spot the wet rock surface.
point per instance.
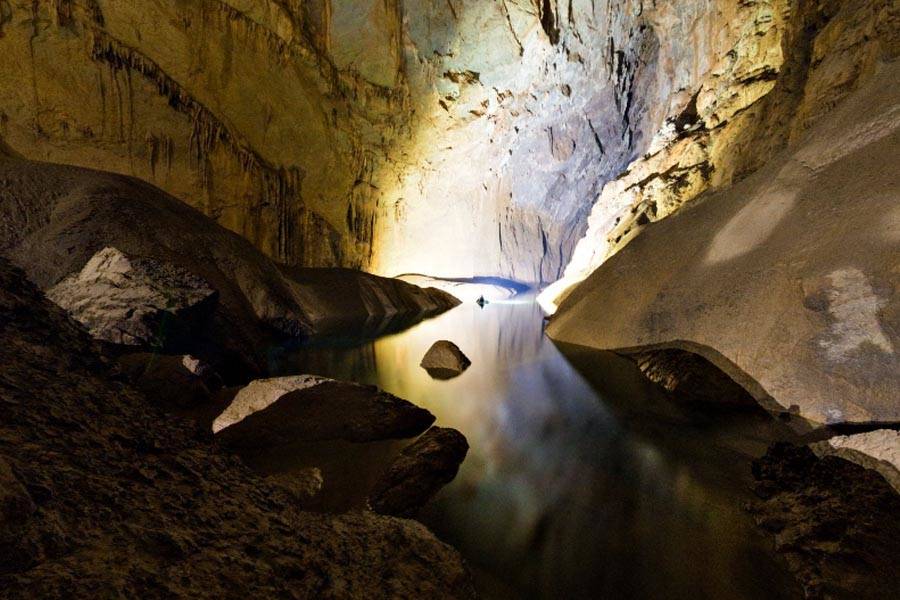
(125, 501)
(835, 521)
(691, 378)
(444, 360)
(322, 410)
(421, 470)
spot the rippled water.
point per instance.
(582, 481)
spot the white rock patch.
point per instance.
(854, 306)
(260, 394)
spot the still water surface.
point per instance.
(582, 480)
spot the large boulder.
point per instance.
(787, 282)
(134, 301)
(83, 233)
(345, 300)
(444, 360)
(421, 470)
(130, 503)
(878, 450)
(834, 521)
(306, 408)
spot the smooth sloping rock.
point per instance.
(834, 521)
(318, 410)
(133, 301)
(131, 504)
(786, 282)
(878, 450)
(421, 470)
(444, 360)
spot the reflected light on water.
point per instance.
(558, 497)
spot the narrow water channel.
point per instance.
(583, 480)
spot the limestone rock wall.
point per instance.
(792, 63)
(453, 137)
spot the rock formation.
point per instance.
(444, 360)
(102, 495)
(314, 409)
(133, 302)
(423, 468)
(782, 281)
(791, 64)
(499, 121)
(878, 450)
(833, 520)
(57, 222)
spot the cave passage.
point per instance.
(596, 485)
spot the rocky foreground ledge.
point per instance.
(103, 496)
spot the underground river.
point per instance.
(582, 479)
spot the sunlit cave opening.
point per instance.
(450, 299)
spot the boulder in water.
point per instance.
(307, 408)
(444, 360)
(133, 301)
(420, 471)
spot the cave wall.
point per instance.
(452, 137)
(789, 69)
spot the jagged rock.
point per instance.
(878, 450)
(784, 281)
(421, 470)
(303, 484)
(279, 411)
(444, 360)
(834, 521)
(175, 382)
(132, 504)
(134, 301)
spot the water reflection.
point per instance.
(565, 493)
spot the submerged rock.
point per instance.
(306, 408)
(421, 470)
(134, 301)
(835, 522)
(444, 360)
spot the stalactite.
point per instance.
(279, 187)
